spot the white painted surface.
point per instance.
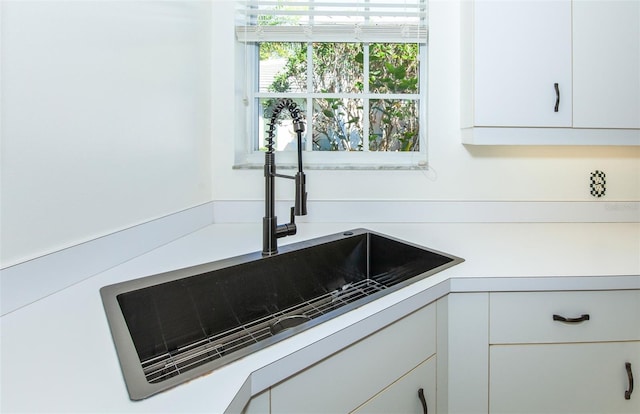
(563, 378)
(32, 280)
(527, 317)
(542, 283)
(402, 395)
(29, 281)
(606, 57)
(442, 350)
(114, 129)
(517, 62)
(78, 371)
(550, 136)
(466, 388)
(70, 173)
(509, 64)
(105, 118)
(346, 380)
(260, 404)
(456, 172)
(400, 211)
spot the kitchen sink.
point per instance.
(172, 327)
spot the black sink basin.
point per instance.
(175, 326)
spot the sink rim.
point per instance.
(135, 380)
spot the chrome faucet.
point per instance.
(271, 230)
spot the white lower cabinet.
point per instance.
(564, 378)
(564, 352)
(497, 352)
(259, 404)
(349, 378)
(375, 373)
(403, 396)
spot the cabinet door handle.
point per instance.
(582, 318)
(557, 88)
(627, 393)
(423, 400)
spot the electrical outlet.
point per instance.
(598, 183)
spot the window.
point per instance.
(357, 70)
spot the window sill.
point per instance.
(338, 161)
(372, 167)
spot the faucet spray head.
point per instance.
(300, 206)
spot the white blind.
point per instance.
(394, 21)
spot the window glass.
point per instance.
(283, 67)
(337, 67)
(340, 96)
(394, 68)
(337, 124)
(394, 125)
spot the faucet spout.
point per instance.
(271, 230)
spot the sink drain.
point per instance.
(287, 322)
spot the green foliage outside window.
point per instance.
(338, 68)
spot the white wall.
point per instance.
(106, 122)
(457, 172)
(105, 118)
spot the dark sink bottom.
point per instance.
(172, 327)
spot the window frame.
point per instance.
(250, 138)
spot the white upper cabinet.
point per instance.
(522, 49)
(606, 59)
(550, 72)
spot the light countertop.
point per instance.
(58, 355)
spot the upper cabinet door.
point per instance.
(606, 53)
(522, 49)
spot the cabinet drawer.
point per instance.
(564, 378)
(350, 377)
(528, 317)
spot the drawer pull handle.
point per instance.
(582, 318)
(423, 400)
(627, 393)
(557, 88)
